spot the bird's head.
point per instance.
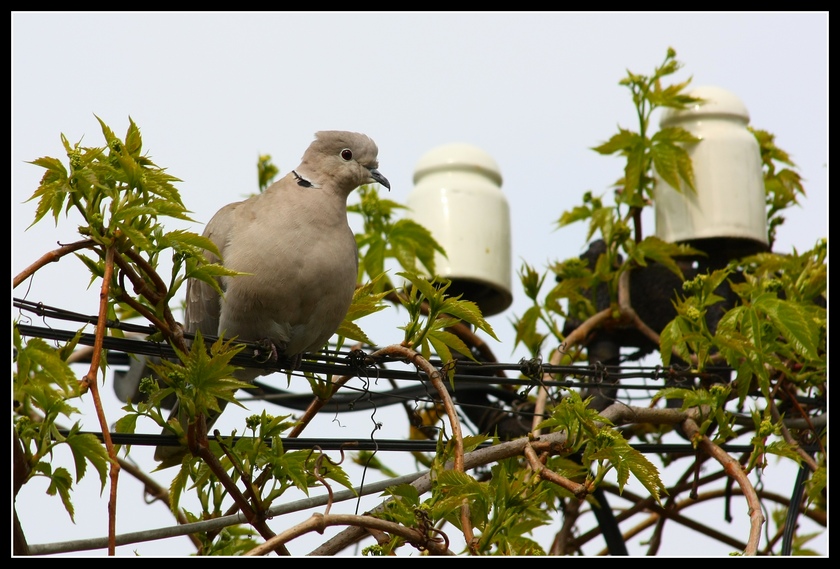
(345, 159)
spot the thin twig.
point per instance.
(319, 522)
(409, 355)
(579, 490)
(51, 257)
(734, 469)
(618, 414)
(89, 382)
(200, 447)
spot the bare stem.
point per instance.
(51, 257)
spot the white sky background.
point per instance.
(212, 91)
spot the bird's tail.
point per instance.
(171, 455)
(127, 388)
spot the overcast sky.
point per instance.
(212, 91)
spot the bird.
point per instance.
(297, 253)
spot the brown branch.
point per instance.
(317, 472)
(542, 393)
(579, 334)
(409, 355)
(463, 331)
(576, 337)
(142, 289)
(579, 490)
(144, 311)
(51, 257)
(89, 382)
(148, 270)
(659, 514)
(735, 471)
(316, 405)
(20, 474)
(689, 479)
(774, 411)
(618, 414)
(308, 415)
(169, 327)
(628, 312)
(200, 447)
(562, 541)
(671, 513)
(138, 283)
(250, 492)
(319, 523)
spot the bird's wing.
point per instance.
(203, 303)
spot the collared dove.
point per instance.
(298, 251)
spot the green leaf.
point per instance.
(374, 258)
(88, 448)
(635, 169)
(793, 323)
(672, 339)
(404, 491)
(366, 301)
(178, 485)
(451, 341)
(62, 484)
(469, 312)
(785, 449)
(53, 189)
(38, 353)
(627, 460)
(576, 418)
(202, 378)
(411, 240)
(526, 330)
(659, 251)
(622, 142)
(128, 422)
(671, 161)
(578, 213)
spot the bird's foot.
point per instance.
(295, 361)
(267, 351)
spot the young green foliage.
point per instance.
(782, 187)
(599, 444)
(504, 508)
(42, 384)
(266, 171)
(202, 377)
(427, 334)
(664, 151)
(775, 338)
(384, 238)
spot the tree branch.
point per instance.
(51, 257)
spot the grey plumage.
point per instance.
(300, 254)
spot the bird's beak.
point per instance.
(374, 173)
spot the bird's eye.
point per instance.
(347, 154)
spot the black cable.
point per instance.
(608, 524)
(474, 382)
(471, 391)
(333, 364)
(146, 439)
(794, 509)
